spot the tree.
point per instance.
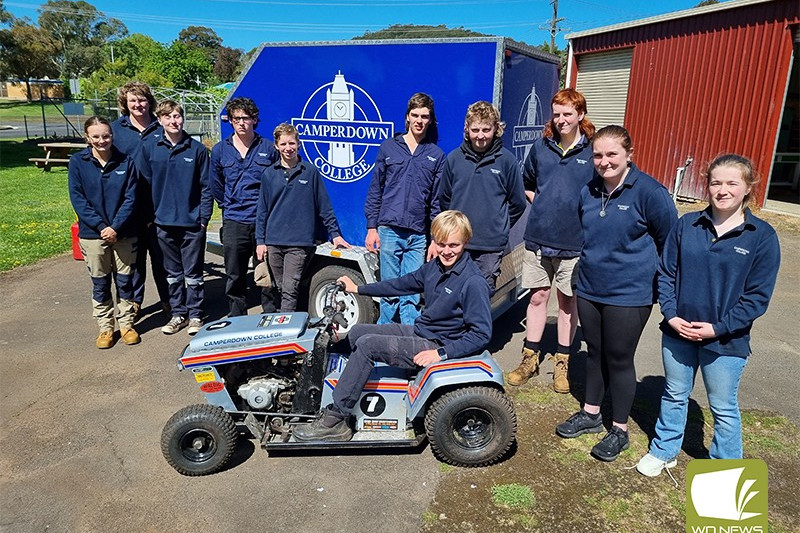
(5, 16)
(25, 51)
(227, 63)
(135, 57)
(184, 67)
(707, 3)
(562, 55)
(414, 31)
(80, 31)
(201, 38)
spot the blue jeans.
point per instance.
(721, 375)
(402, 252)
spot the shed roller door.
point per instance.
(603, 79)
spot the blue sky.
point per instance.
(247, 23)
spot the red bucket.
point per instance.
(76, 247)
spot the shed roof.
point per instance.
(667, 16)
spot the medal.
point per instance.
(602, 213)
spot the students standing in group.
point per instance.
(483, 180)
(716, 277)
(175, 170)
(102, 188)
(293, 199)
(135, 124)
(556, 169)
(236, 167)
(401, 203)
(626, 216)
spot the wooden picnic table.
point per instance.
(56, 154)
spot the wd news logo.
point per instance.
(341, 128)
(726, 496)
(530, 125)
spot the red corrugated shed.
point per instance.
(705, 84)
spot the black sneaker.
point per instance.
(329, 425)
(614, 443)
(579, 424)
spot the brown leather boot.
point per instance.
(528, 368)
(560, 377)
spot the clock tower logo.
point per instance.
(530, 125)
(341, 128)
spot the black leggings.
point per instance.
(611, 334)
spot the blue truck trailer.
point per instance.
(347, 97)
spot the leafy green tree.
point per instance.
(25, 52)
(5, 16)
(201, 38)
(227, 64)
(81, 31)
(184, 67)
(414, 31)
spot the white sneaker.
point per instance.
(194, 326)
(175, 324)
(651, 466)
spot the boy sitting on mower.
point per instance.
(456, 322)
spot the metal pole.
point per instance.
(25, 118)
(44, 120)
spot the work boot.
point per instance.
(329, 425)
(129, 336)
(105, 339)
(528, 368)
(560, 377)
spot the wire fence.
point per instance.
(63, 118)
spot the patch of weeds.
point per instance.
(445, 468)
(611, 508)
(535, 395)
(765, 433)
(525, 520)
(429, 517)
(513, 496)
(677, 501)
(571, 451)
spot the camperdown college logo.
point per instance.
(726, 496)
(530, 125)
(341, 128)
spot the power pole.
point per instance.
(553, 26)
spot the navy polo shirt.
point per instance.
(177, 178)
(488, 189)
(456, 314)
(726, 281)
(620, 253)
(128, 138)
(102, 196)
(404, 186)
(291, 203)
(236, 180)
(556, 178)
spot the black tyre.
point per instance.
(473, 426)
(199, 440)
(358, 309)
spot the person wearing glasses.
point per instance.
(236, 167)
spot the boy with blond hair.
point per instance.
(456, 322)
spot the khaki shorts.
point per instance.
(538, 272)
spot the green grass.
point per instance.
(15, 109)
(513, 496)
(36, 214)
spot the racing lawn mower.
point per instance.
(271, 372)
